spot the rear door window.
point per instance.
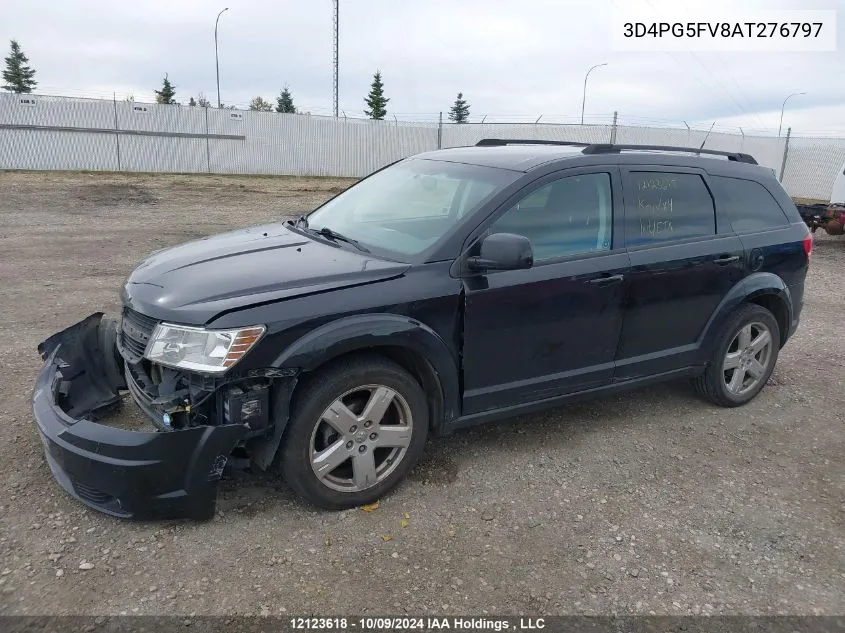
(667, 207)
(748, 204)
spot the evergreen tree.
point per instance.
(376, 101)
(460, 111)
(192, 102)
(18, 76)
(167, 93)
(259, 105)
(284, 102)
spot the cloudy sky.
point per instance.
(513, 60)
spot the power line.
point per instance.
(729, 75)
(740, 110)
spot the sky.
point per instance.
(512, 60)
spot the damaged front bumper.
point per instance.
(125, 473)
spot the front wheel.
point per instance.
(355, 431)
(744, 358)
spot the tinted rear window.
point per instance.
(748, 204)
(668, 207)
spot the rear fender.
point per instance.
(753, 286)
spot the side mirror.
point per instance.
(503, 251)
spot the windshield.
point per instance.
(407, 207)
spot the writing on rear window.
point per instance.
(668, 207)
(655, 211)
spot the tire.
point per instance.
(311, 443)
(719, 383)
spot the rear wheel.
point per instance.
(355, 431)
(744, 358)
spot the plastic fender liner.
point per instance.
(89, 365)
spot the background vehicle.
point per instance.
(830, 217)
(446, 290)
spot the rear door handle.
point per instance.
(606, 281)
(727, 259)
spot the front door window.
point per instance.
(569, 216)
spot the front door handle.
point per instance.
(727, 259)
(606, 281)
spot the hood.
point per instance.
(194, 282)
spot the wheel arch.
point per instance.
(778, 306)
(408, 342)
(764, 289)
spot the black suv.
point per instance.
(445, 290)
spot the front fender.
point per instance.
(750, 288)
(367, 331)
(356, 333)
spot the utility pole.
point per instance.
(336, 50)
(216, 58)
(785, 153)
(613, 128)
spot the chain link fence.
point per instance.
(61, 133)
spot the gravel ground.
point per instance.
(647, 502)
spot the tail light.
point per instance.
(808, 244)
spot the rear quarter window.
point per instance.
(748, 204)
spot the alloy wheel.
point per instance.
(747, 359)
(361, 438)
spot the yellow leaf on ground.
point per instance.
(386, 537)
(328, 540)
(404, 523)
(407, 516)
(370, 507)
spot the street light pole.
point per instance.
(794, 94)
(216, 60)
(584, 98)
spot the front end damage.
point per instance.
(197, 422)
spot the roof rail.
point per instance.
(497, 142)
(606, 148)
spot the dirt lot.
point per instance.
(647, 502)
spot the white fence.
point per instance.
(39, 132)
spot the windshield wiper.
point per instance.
(302, 223)
(339, 237)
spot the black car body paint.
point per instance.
(484, 345)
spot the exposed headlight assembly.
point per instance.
(198, 349)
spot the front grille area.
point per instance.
(142, 398)
(135, 332)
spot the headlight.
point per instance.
(198, 349)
